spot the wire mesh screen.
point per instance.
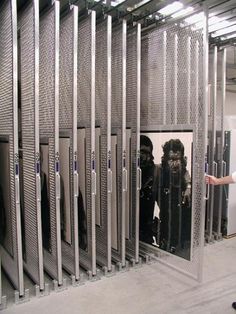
(131, 206)
(66, 123)
(47, 129)
(116, 125)
(210, 144)
(27, 79)
(9, 242)
(84, 120)
(172, 97)
(101, 121)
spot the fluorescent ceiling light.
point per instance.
(224, 31)
(141, 3)
(214, 19)
(194, 18)
(230, 36)
(129, 9)
(219, 25)
(115, 3)
(171, 8)
(182, 12)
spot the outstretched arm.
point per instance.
(224, 180)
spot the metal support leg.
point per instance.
(22, 299)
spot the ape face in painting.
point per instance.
(173, 158)
(146, 147)
(165, 196)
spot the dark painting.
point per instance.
(165, 196)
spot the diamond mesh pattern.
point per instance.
(131, 206)
(84, 120)
(101, 120)
(211, 144)
(66, 119)
(116, 123)
(169, 80)
(47, 122)
(27, 37)
(10, 249)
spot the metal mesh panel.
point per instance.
(84, 120)
(210, 147)
(66, 72)
(66, 118)
(183, 77)
(152, 104)
(163, 102)
(10, 248)
(6, 91)
(132, 123)
(47, 123)
(101, 120)
(27, 44)
(116, 122)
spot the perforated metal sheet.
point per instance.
(117, 125)
(220, 126)
(47, 120)
(164, 99)
(33, 245)
(85, 42)
(102, 120)
(132, 112)
(211, 141)
(66, 121)
(11, 252)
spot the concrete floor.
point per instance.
(149, 289)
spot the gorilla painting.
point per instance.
(165, 196)
(148, 193)
(174, 198)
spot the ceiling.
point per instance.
(222, 13)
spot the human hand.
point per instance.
(211, 180)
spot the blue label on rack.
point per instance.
(57, 166)
(17, 169)
(75, 165)
(93, 164)
(37, 167)
(109, 164)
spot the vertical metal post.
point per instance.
(93, 166)
(15, 144)
(3, 299)
(213, 140)
(37, 149)
(124, 170)
(188, 47)
(138, 171)
(74, 139)
(109, 160)
(164, 76)
(175, 78)
(222, 168)
(204, 130)
(196, 80)
(56, 140)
